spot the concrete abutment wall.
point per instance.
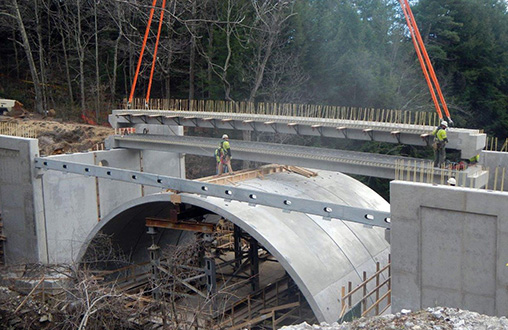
(449, 248)
(48, 215)
(21, 205)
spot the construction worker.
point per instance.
(473, 160)
(452, 182)
(225, 155)
(440, 140)
(218, 156)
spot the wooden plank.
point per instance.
(201, 227)
(376, 303)
(279, 308)
(252, 322)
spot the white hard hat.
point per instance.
(225, 136)
(452, 181)
(444, 123)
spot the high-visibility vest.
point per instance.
(440, 134)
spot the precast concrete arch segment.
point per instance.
(319, 255)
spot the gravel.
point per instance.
(436, 318)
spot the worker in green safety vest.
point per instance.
(440, 141)
(473, 160)
(225, 158)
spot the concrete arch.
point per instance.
(319, 255)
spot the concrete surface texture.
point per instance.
(449, 248)
(18, 205)
(319, 255)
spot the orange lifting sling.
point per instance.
(143, 50)
(425, 63)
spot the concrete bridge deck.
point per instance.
(351, 162)
(468, 141)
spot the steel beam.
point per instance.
(252, 197)
(468, 141)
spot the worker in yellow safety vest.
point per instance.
(440, 141)
(473, 160)
(225, 158)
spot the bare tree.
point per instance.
(27, 46)
(268, 23)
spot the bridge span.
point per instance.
(468, 141)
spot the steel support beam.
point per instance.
(252, 197)
(237, 240)
(254, 263)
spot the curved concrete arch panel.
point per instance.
(319, 255)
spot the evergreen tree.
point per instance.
(468, 41)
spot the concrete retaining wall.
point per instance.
(75, 203)
(48, 215)
(18, 204)
(449, 247)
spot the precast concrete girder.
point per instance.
(468, 141)
(351, 162)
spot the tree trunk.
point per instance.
(97, 73)
(260, 71)
(42, 72)
(15, 46)
(115, 54)
(192, 55)
(81, 59)
(31, 62)
(209, 71)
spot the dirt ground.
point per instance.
(57, 137)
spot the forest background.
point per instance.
(80, 56)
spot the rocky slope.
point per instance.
(437, 318)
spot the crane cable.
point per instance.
(155, 53)
(420, 49)
(133, 88)
(422, 63)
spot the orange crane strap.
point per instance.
(142, 51)
(427, 59)
(155, 52)
(421, 60)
